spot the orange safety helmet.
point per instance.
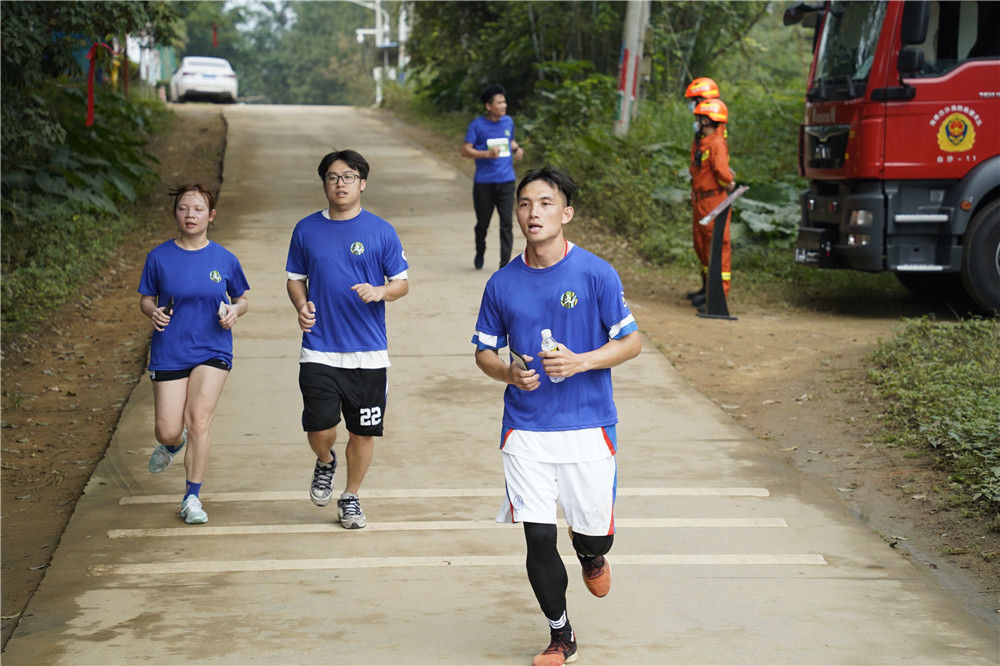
(715, 109)
(702, 87)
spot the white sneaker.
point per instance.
(349, 508)
(321, 489)
(162, 457)
(191, 511)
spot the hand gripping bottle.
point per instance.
(548, 344)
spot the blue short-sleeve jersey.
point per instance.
(581, 300)
(335, 255)
(492, 169)
(198, 281)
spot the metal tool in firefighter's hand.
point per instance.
(737, 193)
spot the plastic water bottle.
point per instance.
(548, 344)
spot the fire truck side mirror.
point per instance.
(913, 28)
(910, 61)
(803, 12)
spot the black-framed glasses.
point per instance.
(348, 178)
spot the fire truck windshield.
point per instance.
(846, 49)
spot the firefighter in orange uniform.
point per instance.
(711, 180)
(698, 91)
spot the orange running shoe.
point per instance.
(597, 576)
(561, 650)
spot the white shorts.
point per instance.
(585, 491)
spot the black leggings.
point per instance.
(546, 571)
(486, 197)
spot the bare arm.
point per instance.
(469, 151)
(298, 293)
(515, 150)
(236, 309)
(492, 366)
(160, 319)
(563, 362)
(392, 291)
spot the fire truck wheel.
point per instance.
(981, 257)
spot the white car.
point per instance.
(203, 78)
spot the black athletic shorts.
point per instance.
(360, 393)
(171, 375)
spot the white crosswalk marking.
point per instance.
(296, 495)
(427, 526)
(327, 527)
(238, 566)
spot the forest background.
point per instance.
(69, 190)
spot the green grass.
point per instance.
(939, 381)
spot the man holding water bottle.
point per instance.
(558, 439)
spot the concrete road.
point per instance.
(724, 554)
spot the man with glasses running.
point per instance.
(344, 264)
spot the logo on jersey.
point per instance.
(568, 300)
(518, 502)
(624, 302)
(357, 248)
(215, 276)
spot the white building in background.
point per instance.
(156, 63)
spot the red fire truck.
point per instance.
(901, 143)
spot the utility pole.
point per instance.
(403, 59)
(636, 16)
(381, 34)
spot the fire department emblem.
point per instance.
(956, 133)
(357, 248)
(568, 300)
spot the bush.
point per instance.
(63, 203)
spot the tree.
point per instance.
(42, 41)
(692, 39)
(321, 61)
(460, 47)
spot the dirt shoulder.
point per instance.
(794, 377)
(64, 387)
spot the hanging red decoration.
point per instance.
(215, 35)
(92, 56)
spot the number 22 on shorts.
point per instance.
(371, 416)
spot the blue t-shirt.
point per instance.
(335, 255)
(582, 301)
(198, 280)
(492, 169)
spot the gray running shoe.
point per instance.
(322, 484)
(162, 457)
(349, 508)
(192, 512)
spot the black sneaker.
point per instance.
(322, 484)
(349, 508)
(478, 261)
